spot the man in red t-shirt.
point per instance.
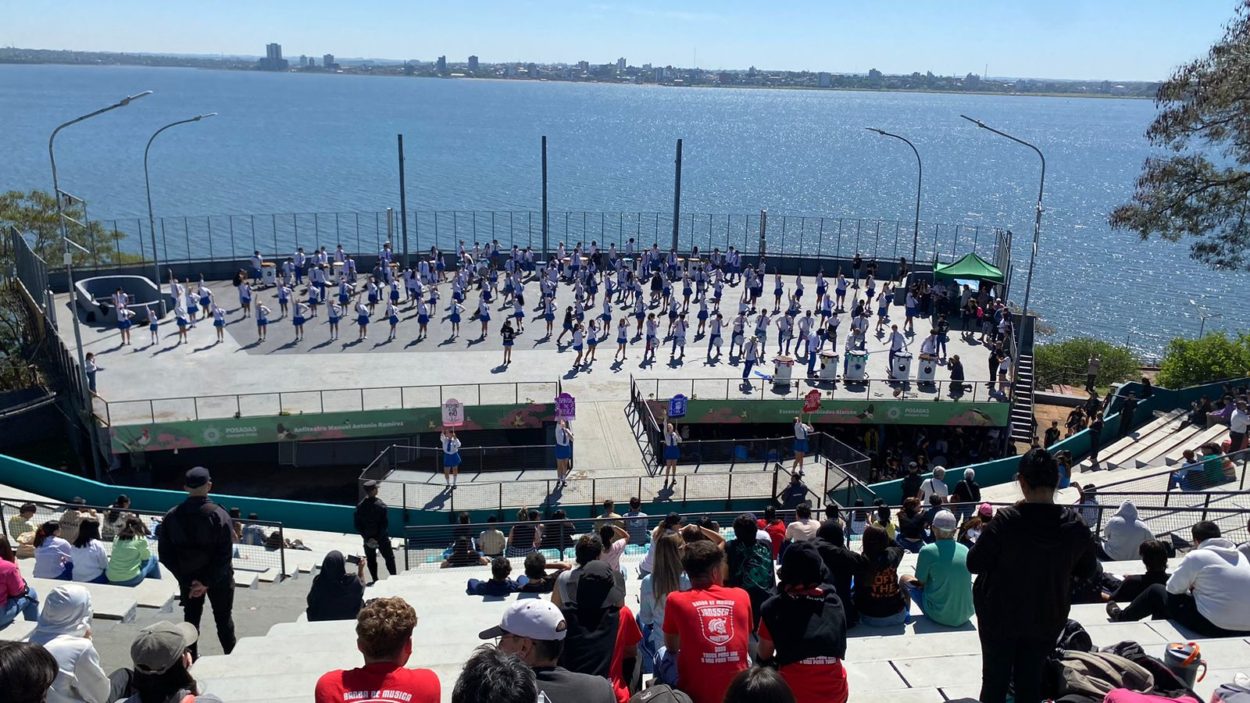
(384, 636)
(775, 528)
(707, 627)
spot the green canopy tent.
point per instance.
(970, 267)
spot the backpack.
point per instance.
(757, 569)
(660, 693)
(1231, 693)
(1167, 682)
(1090, 676)
(1074, 637)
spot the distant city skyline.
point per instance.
(1141, 40)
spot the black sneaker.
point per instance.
(1113, 611)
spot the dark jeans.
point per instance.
(388, 556)
(1156, 602)
(1016, 662)
(221, 595)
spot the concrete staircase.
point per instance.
(1022, 401)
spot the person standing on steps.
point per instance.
(196, 544)
(371, 521)
(564, 452)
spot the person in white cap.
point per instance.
(534, 631)
(942, 586)
(162, 658)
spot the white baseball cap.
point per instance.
(534, 619)
(945, 520)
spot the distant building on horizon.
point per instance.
(441, 65)
(273, 60)
(620, 64)
(472, 64)
(824, 79)
(327, 62)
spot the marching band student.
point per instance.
(679, 337)
(738, 338)
(245, 298)
(125, 320)
(702, 316)
(840, 291)
(714, 340)
(456, 311)
(592, 340)
(314, 298)
(672, 452)
(180, 319)
(362, 319)
(423, 318)
(193, 311)
(640, 312)
(262, 321)
(206, 298)
(483, 312)
(567, 326)
(622, 339)
(299, 319)
(392, 316)
(372, 288)
(284, 294)
(801, 431)
(219, 323)
(451, 457)
(509, 337)
(653, 329)
(518, 313)
(778, 289)
(578, 334)
(345, 291)
(335, 313)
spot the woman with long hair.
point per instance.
(880, 601)
(525, 535)
(132, 559)
(666, 576)
(90, 559)
(53, 559)
(911, 532)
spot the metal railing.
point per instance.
(235, 237)
(1202, 475)
(658, 389)
(477, 459)
(263, 546)
(275, 404)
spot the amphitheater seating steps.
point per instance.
(921, 661)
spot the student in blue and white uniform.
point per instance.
(606, 315)
(738, 337)
(125, 320)
(622, 339)
(703, 315)
(423, 318)
(578, 334)
(335, 313)
(778, 290)
(564, 452)
(679, 338)
(518, 314)
(451, 456)
(372, 289)
(456, 311)
(219, 323)
(345, 291)
(784, 333)
(300, 259)
(592, 339)
(193, 310)
(262, 321)
(801, 431)
(653, 330)
(300, 318)
(315, 296)
(392, 316)
(839, 289)
(284, 295)
(761, 327)
(509, 336)
(673, 311)
(362, 319)
(672, 452)
(206, 298)
(714, 340)
(483, 312)
(821, 287)
(750, 356)
(640, 311)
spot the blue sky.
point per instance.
(1113, 39)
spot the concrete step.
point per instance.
(108, 602)
(17, 631)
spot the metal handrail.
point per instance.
(238, 398)
(766, 388)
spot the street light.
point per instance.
(915, 238)
(1037, 231)
(147, 183)
(69, 271)
(1203, 315)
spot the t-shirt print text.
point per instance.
(376, 696)
(716, 623)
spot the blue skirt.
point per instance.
(686, 292)
(703, 314)
(124, 324)
(577, 347)
(484, 317)
(911, 312)
(373, 297)
(259, 323)
(820, 291)
(204, 301)
(394, 296)
(458, 297)
(592, 342)
(362, 320)
(455, 318)
(622, 340)
(182, 322)
(343, 298)
(800, 445)
(451, 461)
(423, 320)
(606, 317)
(333, 320)
(672, 453)
(519, 314)
(299, 320)
(507, 342)
(640, 316)
(777, 292)
(191, 309)
(550, 317)
(216, 323)
(394, 320)
(564, 451)
(568, 326)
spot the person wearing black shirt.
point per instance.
(843, 564)
(967, 491)
(1155, 556)
(1127, 411)
(1024, 561)
(196, 544)
(912, 481)
(880, 601)
(1095, 440)
(911, 522)
(371, 521)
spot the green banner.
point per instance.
(193, 434)
(845, 412)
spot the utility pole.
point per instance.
(544, 197)
(403, 202)
(677, 197)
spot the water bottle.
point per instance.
(1184, 659)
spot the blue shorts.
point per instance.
(568, 327)
(564, 451)
(640, 316)
(333, 320)
(507, 342)
(577, 347)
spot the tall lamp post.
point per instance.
(69, 271)
(915, 238)
(147, 184)
(1203, 315)
(1037, 231)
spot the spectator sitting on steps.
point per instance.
(384, 636)
(1154, 555)
(499, 583)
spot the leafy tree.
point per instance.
(1213, 357)
(1200, 188)
(34, 214)
(1066, 362)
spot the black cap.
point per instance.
(370, 485)
(197, 477)
(801, 565)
